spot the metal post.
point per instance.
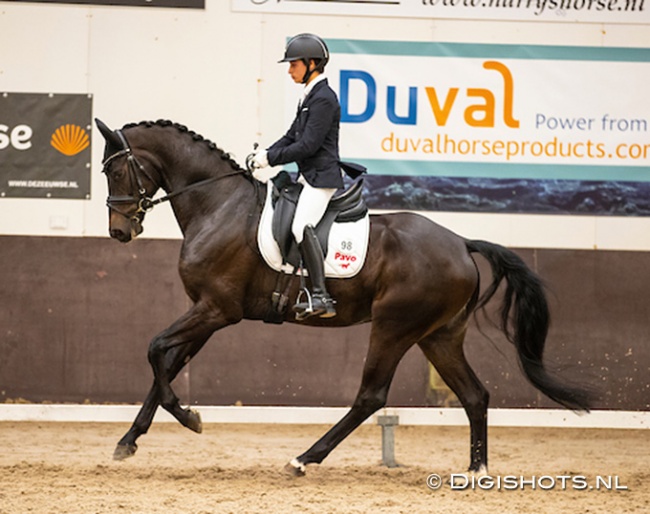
(388, 424)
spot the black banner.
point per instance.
(190, 4)
(45, 145)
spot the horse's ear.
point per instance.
(112, 139)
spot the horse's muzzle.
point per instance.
(126, 231)
(120, 235)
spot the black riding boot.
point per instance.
(319, 302)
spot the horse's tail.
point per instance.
(525, 304)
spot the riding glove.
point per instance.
(260, 160)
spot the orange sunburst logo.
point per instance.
(70, 139)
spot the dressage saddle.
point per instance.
(349, 206)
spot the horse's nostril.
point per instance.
(120, 235)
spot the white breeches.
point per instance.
(312, 204)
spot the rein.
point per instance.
(145, 203)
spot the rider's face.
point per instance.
(297, 70)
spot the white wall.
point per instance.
(216, 72)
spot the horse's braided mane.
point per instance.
(196, 137)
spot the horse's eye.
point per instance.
(115, 172)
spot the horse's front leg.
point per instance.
(127, 446)
(176, 360)
(191, 331)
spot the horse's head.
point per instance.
(130, 185)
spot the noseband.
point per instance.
(143, 202)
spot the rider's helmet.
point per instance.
(305, 47)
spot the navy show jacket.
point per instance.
(312, 141)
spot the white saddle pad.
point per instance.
(346, 250)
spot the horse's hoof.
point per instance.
(479, 471)
(194, 421)
(295, 468)
(124, 451)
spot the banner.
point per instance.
(45, 145)
(192, 4)
(580, 11)
(497, 127)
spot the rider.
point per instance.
(312, 142)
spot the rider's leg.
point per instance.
(309, 211)
(311, 206)
(321, 302)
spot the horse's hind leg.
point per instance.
(384, 354)
(176, 360)
(444, 349)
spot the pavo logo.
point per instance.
(70, 139)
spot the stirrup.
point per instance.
(315, 305)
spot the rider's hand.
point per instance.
(260, 160)
(264, 174)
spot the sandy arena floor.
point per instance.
(68, 468)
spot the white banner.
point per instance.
(582, 11)
(529, 111)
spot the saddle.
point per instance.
(343, 234)
(347, 207)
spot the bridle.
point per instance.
(136, 170)
(144, 203)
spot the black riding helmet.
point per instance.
(305, 47)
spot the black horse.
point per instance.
(419, 284)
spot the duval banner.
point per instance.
(45, 145)
(494, 128)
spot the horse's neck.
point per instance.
(229, 200)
